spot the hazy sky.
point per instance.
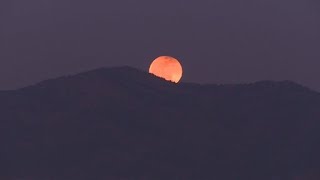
(220, 41)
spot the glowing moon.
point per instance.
(167, 67)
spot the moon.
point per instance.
(167, 67)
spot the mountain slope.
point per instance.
(122, 123)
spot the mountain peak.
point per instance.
(138, 124)
(103, 75)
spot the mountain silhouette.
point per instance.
(123, 124)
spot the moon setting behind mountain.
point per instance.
(167, 67)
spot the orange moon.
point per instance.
(167, 67)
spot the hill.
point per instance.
(122, 123)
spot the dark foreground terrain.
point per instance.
(124, 124)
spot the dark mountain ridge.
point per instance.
(123, 123)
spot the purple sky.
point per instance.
(221, 41)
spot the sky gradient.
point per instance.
(222, 41)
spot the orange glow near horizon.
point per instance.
(167, 67)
